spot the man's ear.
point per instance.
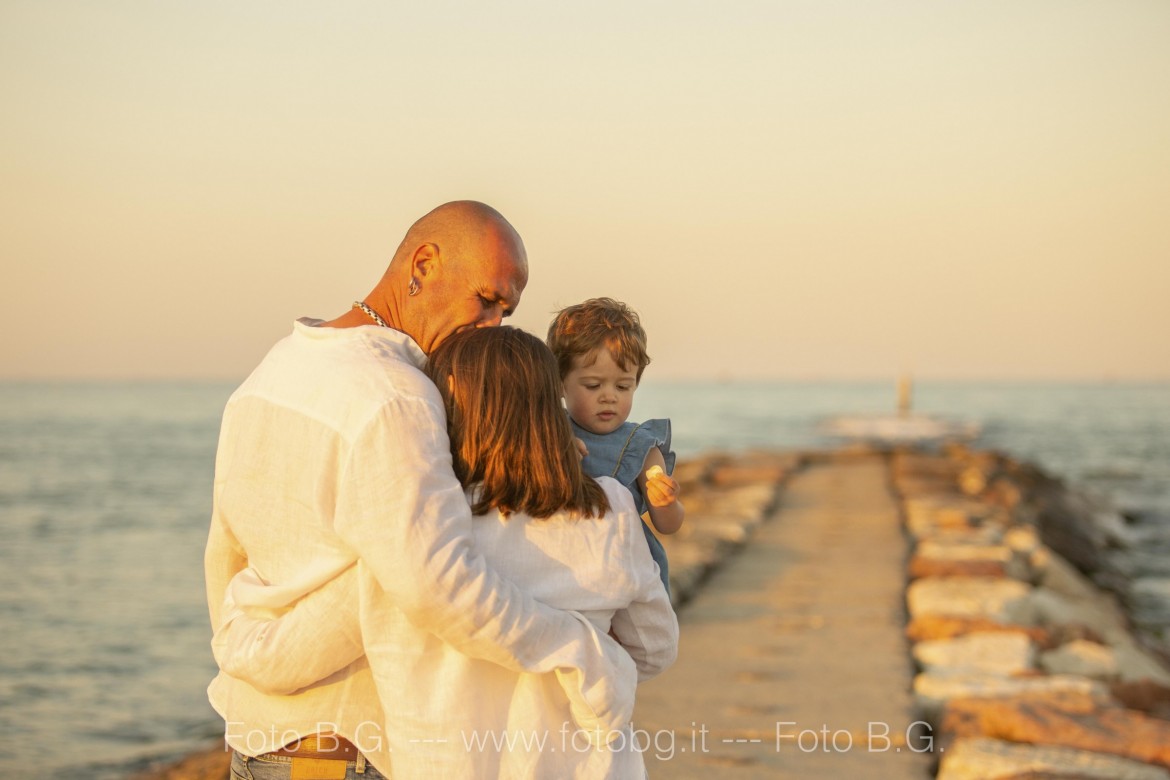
(424, 261)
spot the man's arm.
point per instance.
(401, 508)
(222, 559)
(318, 637)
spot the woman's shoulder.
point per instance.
(620, 500)
(623, 516)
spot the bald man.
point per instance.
(469, 261)
(333, 480)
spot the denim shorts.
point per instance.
(270, 767)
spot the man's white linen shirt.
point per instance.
(334, 454)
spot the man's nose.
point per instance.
(491, 319)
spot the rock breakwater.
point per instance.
(1026, 667)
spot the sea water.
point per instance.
(105, 494)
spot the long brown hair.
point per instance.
(509, 434)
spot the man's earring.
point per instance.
(412, 290)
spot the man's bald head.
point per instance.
(461, 265)
(462, 229)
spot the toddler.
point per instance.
(600, 348)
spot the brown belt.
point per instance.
(329, 746)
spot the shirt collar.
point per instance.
(395, 340)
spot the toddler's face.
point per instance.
(599, 392)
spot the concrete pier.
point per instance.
(792, 661)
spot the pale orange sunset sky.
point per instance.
(816, 189)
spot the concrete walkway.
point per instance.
(792, 662)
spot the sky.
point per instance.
(830, 189)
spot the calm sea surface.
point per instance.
(105, 493)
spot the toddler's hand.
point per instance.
(661, 490)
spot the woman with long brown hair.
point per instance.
(570, 541)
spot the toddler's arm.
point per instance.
(661, 492)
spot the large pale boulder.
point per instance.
(920, 567)
(1067, 598)
(942, 558)
(984, 534)
(1088, 659)
(927, 627)
(962, 551)
(994, 598)
(998, 653)
(1069, 720)
(990, 759)
(932, 690)
(928, 514)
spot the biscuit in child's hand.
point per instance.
(654, 472)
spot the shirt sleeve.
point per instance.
(401, 508)
(279, 654)
(648, 627)
(222, 559)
